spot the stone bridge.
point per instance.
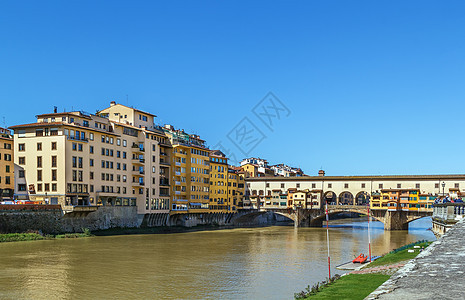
(392, 219)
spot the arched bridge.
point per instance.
(392, 219)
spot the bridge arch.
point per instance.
(346, 198)
(329, 197)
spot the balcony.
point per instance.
(73, 138)
(177, 182)
(177, 173)
(177, 164)
(164, 182)
(164, 162)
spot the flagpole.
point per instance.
(369, 236)
(327, 240)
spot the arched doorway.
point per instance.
(346, 198)
(330, 198)
(362, 198)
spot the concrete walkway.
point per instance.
(436, 273)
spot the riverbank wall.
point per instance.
(432, 272)
(50, 219)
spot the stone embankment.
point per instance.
(434, 273)
(50, 219)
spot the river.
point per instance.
(245, 263)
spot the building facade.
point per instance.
(385, 191)
(191, 172)
(78, 159)
(7, 184)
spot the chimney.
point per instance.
(321, 173)
(112, 103)
(55, 109)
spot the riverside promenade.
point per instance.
(437, 272)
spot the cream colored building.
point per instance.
(7, 185)
(77, 159)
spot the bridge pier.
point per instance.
(396, 220)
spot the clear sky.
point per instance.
(372, 87)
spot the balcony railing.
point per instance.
(73, 138)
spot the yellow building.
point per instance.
(376, 200)
(236, 189)
(219, 189)
(7, 186)
(191, 174)
(413, 198)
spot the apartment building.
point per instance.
(219, 197)
(79, 159)
(236, 189)
(150, 157)
(191, 172)
(6, 165)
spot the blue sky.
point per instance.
(373, 87)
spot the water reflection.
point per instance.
(272, 262)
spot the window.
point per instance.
(330, 185)
(436, 185)
(125, 143)
(456, 185)
(417, 186)
(21, 147)
(91, 136)
(21, 173)
(74, 175)
(346, 185)
(39, 175)
(39, 187)
(80, 147)
(80, 163)
(54, 187)
(74, 146)
(363, 185)
(313, 185)
(118, 142)
(118, 154)
(380, 185)
(54, 161)
(7, 169)
(54, 145)
(91, 175)
(91, 149)
(54, 175)
(282, 185)
(267, 185)
(7, 157)
(22, 187)
(91, 162)
(39, 146)
(47, 187)
(39, 161)
(297, 185)
(399, 185)
(74, 162)
(22, 160)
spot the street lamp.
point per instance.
(443, 186)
